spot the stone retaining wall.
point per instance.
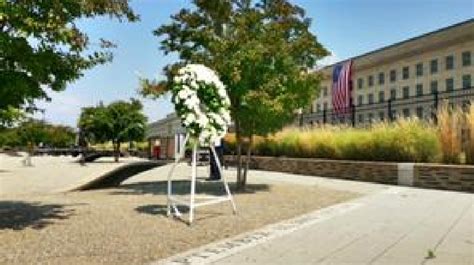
(447, 177)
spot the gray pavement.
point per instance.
(390, 225)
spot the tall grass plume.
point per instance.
(449, 133)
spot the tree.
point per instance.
(41, 46)
(10, 116)
(263, 52)
(32, 132)
(117, 122)
(93, 124)
(61, 136)
(36, 132)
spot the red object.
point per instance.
(341, 78)
(156, 152)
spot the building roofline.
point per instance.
(471, 20)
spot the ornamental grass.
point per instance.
(403, 140)
(469, 146)
(406, 140)
(449, 133)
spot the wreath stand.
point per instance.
(173, 202)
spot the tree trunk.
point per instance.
(238, 139)
(116, 151)
(247, 161)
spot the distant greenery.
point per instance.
(118, 122)
(135, 145)
(36, 132)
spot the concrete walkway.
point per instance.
(390, 225)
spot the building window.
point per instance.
(381, 78)
(371, 98)
(419, 90)
(325, 91)
(361, 118)
(325, 106)
(449, 84)
(434, 86)
(381, 115)
(371, 80)
(360, 83)
(393, 94)
(393, 76)
(449, 62)
(406, 92)
(382, 96)
(466, 58)
(419, 112)
(466, 81)
(360, 100)
(419, 69)
(406, 113)
(406, 72)
(318, 107)
(434, 66)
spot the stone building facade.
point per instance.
(409, 78)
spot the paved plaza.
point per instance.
(389, 225)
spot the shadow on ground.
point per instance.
(77, 161)
(18, 215)
(158, 209)
(116, 176)
(161, 209)
(183, 187)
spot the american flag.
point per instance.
(341, 80)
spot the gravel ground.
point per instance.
(128, 225)
(50, 174)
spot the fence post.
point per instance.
(436, 106)
(353, 114)
(324, 116)
(389, 109)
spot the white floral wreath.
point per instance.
(201, 102)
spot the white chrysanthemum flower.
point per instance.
(202, 121)
(190, 118)
(212, 125)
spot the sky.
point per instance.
(347, 28)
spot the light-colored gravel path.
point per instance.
(49, 174)
(127, 225)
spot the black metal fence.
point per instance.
(424, 106)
